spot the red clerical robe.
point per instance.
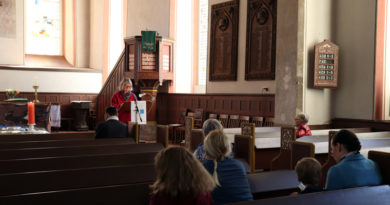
(117, 100)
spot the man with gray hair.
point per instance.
(208, 126)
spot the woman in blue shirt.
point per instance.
(228, 174)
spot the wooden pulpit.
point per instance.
(149, 69)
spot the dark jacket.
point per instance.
(111, 129)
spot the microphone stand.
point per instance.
(137, 113)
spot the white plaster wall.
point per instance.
(12, 49)
(58, 82)
(241, 85)
(317, 27)
(151, 14)
(82, 33)
(96, 37)
(354, 31)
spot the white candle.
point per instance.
(35, 81)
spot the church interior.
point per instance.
(254, 66)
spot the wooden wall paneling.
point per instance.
(224, 41)
(260, 40)
(245, 107)
(227, 106)
(236, 105)
(252, 105)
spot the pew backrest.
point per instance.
(300, 150)
(244, 151)
(283, 160)
(355, 196)
(75, 162)
(30, 182)
(196, 138)
(383, 161)
(45, 137)
(81, 150)
(138, 193)
(65, 143)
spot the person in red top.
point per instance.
(123, 95)
(181, 179)
(302, 128)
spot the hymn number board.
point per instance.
(326, 65)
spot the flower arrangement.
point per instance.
(11, 93)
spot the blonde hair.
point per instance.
(217, 147)
(309, 171)
(123, 82)
(179, 173)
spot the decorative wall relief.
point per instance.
(260, 40)
(7, 19)
(224, 41)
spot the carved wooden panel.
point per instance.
(224, 41)
(287, 137)
(260, 40)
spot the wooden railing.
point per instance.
(110, 87)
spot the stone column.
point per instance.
(289, 61)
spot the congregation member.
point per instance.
(181, 179)
(208, 126)
(302, 128)
(112, 127)
(309, 172)
(124, 95)
(228, 174)
(352, 168)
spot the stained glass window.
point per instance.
(44, 27)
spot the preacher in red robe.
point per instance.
(123, 95)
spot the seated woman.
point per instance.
(352, 168)
(228, 174)
(309, 172)
(208, 126)
(302, 127)
(181, 179)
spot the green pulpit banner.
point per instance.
(148, 41)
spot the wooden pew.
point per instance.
(81, 150)
(300, 150)
(244, 146)
(355, 196)
(45, 137)
(138, 193)
(383, 161)
(43, 181)
(282, 161)
(75, 162)
(273, 183)
(196, 138)
(64, 143)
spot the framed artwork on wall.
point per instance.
(260, 40)
(224, 41)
